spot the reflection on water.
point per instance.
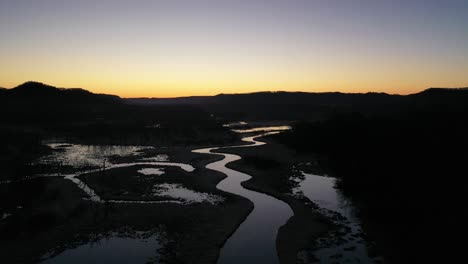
(115, 249)
(185, 167)
(159, 157)
(92, 196)
(262, 129)
(322, 191)
(151, 171)
(5, 216)
(255, 239)
(91, 159)
(235, 124)
(82, 156)
(349, 246)
(187, 196)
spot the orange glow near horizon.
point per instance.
(176, 48)
(171, 90)
(138, 86)
(187, 76)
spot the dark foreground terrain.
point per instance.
(400, 159)
(406, 172)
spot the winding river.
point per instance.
(255, 239)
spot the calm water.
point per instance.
(352, 248)
(88, 159)
(255, 240)
(112, 250)
(88, 156)
(262, 129)
(151, 171)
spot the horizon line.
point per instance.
(253, 92)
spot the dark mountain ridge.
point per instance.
(298, 97)
(35, 96)
(102, 119)
(39, 91)
(34, 102)
(36, 91)
(302, 105)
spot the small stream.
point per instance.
(255, 239)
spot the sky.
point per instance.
(169, 48)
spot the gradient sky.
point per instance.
(173, 48)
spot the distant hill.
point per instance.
(441, 96)
(169, 101)
(35, 91)
(46, 111)
(34, 99)
(327, 98)
(302, 105)
(265, 98)
(37, 102)
(100, 118)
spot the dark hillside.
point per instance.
(104, 119)
(310, 106)
(407, 171)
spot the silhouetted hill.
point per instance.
(34, 96)
(34, 102)
(332, 98)
(35, 91)
(189, 100)
(101, 118)
(453, 97)
(301, 105)
(406, 171)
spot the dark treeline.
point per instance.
(308, 106)
(279, 105)
(406, 171)
(34, 112)
(79, 115)
(17, 150)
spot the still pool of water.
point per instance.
(187, 196)
(151, 171)
(114, 249)
(351, 247)
(78, 156)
